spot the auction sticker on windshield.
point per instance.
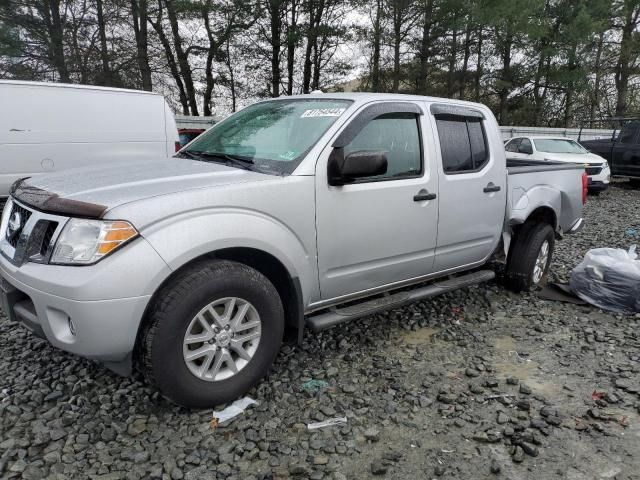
(322, 112)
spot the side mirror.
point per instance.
(345, 169)
(526, 149)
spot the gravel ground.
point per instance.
(480, 383)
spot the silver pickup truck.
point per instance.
(294, 213)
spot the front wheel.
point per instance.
(530, 257)
(213, 333)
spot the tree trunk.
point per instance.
(597, 69)
(572, 65)
(276, 45)
(232, 82)
(452, 62)
(139, 12)
(292, 37)
(107, 77)
(209, 81)
(425, 49)
(377, 34)
(465, 61)
(537, 86)
(171, 60)
(311, 40)
(505, 77)
(623, 66)
(398, 14)
(478, 76)
(51, 12)
(183, 58)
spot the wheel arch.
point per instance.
(287, 285)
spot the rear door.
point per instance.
(472, 195)
(378, 230)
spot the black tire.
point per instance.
(524, 254)
(162, 360)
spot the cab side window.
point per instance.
(396, 134)
(628, 133)
(463, 143)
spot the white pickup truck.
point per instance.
(296, 212)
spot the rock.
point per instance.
(320, 460)
(524, 389)
(137, 427)
(57, 433)
(495, 467)
(502, 418)
(548, 411)
(18, 466)
(332, 372)
(470, 372)
(299, 470)
(446, 398)
(611, 398)
(518, 455)
(529, 449)
(378, 468)
(523, 405)
(372, 434)
(513, 381)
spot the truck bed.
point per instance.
(517, 166)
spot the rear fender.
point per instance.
(525, 202)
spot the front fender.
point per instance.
(180, 239)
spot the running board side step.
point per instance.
(334, 316)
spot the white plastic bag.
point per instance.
(609, 278)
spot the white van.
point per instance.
(52, 126)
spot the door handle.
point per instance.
(423, 195)
(491, 188)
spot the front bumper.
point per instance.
(91, 311)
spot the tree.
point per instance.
(627, 20)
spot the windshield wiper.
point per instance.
(234, 160)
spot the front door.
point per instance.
(472, 187)
(378, 230)
(626, 151)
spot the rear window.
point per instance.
(463, 143)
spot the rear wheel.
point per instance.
(213, 334)
(530, 257)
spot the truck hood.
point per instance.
(91, 191)
(589, 158)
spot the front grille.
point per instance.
(13, 235)
(47, 237)
(593, 170)
(31, 234)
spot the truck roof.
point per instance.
(75, 86)
(370, 96)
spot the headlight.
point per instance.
(605, 165)
(87, 241)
